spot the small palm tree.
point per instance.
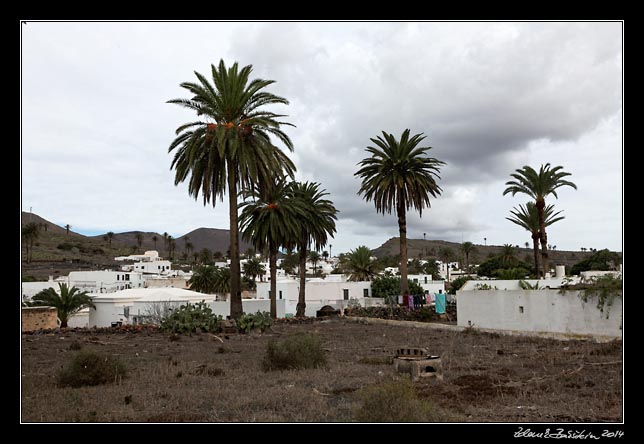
(186, 241)
(110, 235)
(446, 255)
(359, 265)
(67, 227)
(527, 217)
(231, 151)
(508, 255)
(467, 248)
(139, 239)
(399, 176)
(165, 241)
(204, 279)
(325, 255)
(314, 257)
(253, 268)
(538, 185)
(155, 238)
(189, 248)
(30, 233)
(67, 301)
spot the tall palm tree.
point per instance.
(203, 279)
(253, 268)
(467, 248)
(110, 235)
(527, 217)
(270, 219)
(231, 150)
(155, 238)
(446, 255)
(205, 256)
(315, 228)
(30, 233)
(189, 248)
(171, 246)
(538, 185)
(359, 265)
(399, 175)
(67, 227)
(186, 241)
(68, 302)
(139, 239)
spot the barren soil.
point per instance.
(487, 377)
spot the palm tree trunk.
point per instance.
(301, 300)
(273, 266)
(467, 263)
(543, 236)
(236, 308)
(402, 227)
(537, 257)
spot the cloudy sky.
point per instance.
(490, 97)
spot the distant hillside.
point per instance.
(215, 239)
(429, 248)
(56, 252)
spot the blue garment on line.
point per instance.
(440, 303)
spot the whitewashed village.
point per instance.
(147, 282)
(474, 148)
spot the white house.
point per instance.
(334, 290)
(149, 262)
(429, 285)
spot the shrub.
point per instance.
(457, 283)
(259, 321)
(392, 401)
(91, 368)
(190, 318)
(300, 350)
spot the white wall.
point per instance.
(543, 311)
(316, 289)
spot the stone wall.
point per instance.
(37, 318)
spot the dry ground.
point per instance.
(487, 377)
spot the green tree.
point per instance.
(388, 287)
(139, 239)
(165, 242)
(110, 235)
(271, 220)
(210, 279)
(527, 217)
(254, 268)
(189, 248)
(602, 260)
(290, 261)
(467, 248)
(155, 239)
(67, 227)
(399, 175)
(67, 301)
(446, 255)
(231, 151)
(359, 265)
(489, 266)
(30, 233)
(186, 241)
(511, 273)
(431, 267)
(538, 186)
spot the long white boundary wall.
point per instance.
(538, 311)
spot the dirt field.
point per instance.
(487, 378)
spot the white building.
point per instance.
(334, 290)
(430, 286)
(149, 262)
(136, 305)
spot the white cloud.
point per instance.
(490, 97)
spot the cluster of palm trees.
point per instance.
(536, 216)
(230, 151)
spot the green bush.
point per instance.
(259, 321)
(191, 318)
(91, 368)
(457, 283)
(388, 287)
(298, 351)
(392, 401)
